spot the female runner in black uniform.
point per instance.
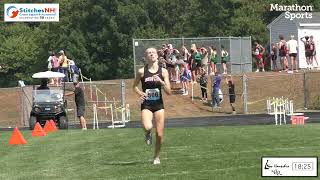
(152, 78)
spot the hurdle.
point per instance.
(277, 107)
(295, 117)
(119, 123)
(291, 110)
(95, 117)
(283, 107)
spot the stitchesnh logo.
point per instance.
(12, 12)
(294, 11)
(31, 12)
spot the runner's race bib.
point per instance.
(153, 94)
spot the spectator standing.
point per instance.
(195, 62)
(185, 79)
(293, 51)
(282, 45)
(274, 52)
(185, 53)
(232, 94)
(215, 90)
(64, 65)
(224, 59)
(170, 59)
(203, 80)
(80, 103)
(258, 52)
(204, 59)
(313, 50)
(176, 63)
(308, 50)
(74, 71)
(55, 66)
(50, 66)
(213, 59)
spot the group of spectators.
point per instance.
(196, 65)
(286, 50)
(61, 63)
(188, 65)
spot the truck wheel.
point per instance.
(32, 122)
(63, 122)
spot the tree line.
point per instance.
(98, 34)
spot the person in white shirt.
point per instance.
(293, 50)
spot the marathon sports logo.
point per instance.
(294, 11)
(31, 12)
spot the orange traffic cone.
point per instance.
(53, 124)
(17, 137)
(48, 127)
(38, 131)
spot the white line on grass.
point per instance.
(211, 170)
(191, 172)
(209, 153)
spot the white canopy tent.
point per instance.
(48, 74)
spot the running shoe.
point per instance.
(156, 161)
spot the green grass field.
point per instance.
(230, 152)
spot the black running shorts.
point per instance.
(153, 108)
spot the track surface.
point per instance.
(228, 120)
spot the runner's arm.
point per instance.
(137, 81)
(166, 82)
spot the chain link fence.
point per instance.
(252, 90)
(239, 49)
(302, 88)
(102, 94)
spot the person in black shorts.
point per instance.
(274, 56)
(282, 46)
(308, 50)
(232, 94)
(152, 78)
(80, 103)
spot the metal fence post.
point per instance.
(134, 57)
(123, 93)
(182, 41)
(241, 64)
(245, 93)
(22, 107)
(305, 91)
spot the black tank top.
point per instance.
(152, 87)
(231, 88)
(307, 46)
(283, 48)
